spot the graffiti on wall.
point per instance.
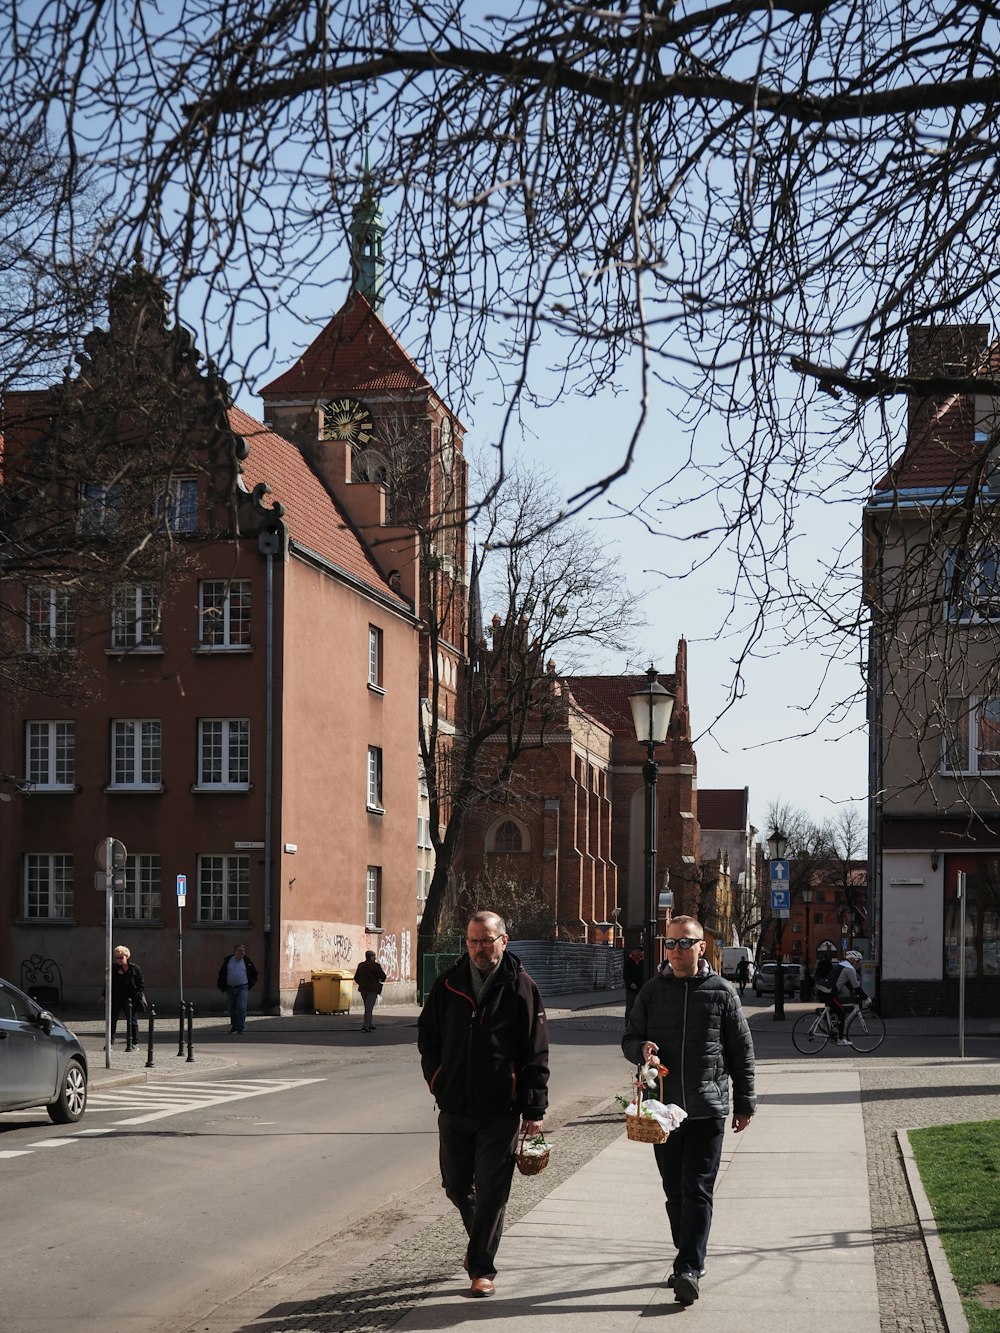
(316, 945)
(395, 958)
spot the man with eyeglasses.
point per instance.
(484, 1049)
(691, 1020)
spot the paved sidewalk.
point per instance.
(594, 1254)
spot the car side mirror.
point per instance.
(45, 1020)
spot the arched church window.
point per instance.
(507, 837)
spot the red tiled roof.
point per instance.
(606, 697)
(354, 353)
(722, 807)
(313, 516)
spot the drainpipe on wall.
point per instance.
(269, 544)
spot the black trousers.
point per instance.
(477, 1164)
(118, 1008)
(689, 1163)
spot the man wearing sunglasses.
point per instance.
(691, 1020)
(484, 1050)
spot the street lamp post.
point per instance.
(777, 845)
(651, 710)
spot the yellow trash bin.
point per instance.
(344, 983)
(325, 992)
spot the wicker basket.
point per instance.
(643, 1128)
(531, 1163)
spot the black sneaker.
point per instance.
(670, 1279)
(686, 1287)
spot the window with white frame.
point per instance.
(140, 898)
(224, 888)
(374, 778)
(224, 613)
(135, 616)
(374, 657)
(50, 621)
(180, 505)
(373, 898)
(972, 736)
(136, 753)
(48, 886)
(101, 506)
(224, 753)
(50, 755)
(972, 586)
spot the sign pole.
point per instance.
(109, 912)
(181, 899)
(961, 963)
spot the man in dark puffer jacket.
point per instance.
(691, 1020)
(484, 1050)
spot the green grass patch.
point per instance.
(960, 1169)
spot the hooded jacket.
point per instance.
(703, 1038)
(491, 1057)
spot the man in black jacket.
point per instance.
(237, 977)
(691, 1020)
(484, 1049)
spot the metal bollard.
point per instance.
(149, 1046)
(180, 1029)
(190, 1030)
(129, 1043)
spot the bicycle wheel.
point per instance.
(866, 1031)
(810, 1034)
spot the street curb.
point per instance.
(951, 1303)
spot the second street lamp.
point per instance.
(651, 710)
(777, 845)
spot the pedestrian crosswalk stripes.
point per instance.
(156, 1101)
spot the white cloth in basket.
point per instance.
(667, 1115)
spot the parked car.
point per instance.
(763, 982)
(41, 1062)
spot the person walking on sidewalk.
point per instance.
(484, 1050)
(237, 977)
(127, 988)
(692, 1021)
(633, 975)
(369, 979)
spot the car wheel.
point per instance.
(72, 1100)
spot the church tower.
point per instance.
(367, 232)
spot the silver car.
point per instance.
(41, 1062)
(763, 981)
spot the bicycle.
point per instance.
(863, 1028)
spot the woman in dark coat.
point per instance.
(126, 986)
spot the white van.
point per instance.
(732, 956)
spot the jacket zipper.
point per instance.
(684, 1033)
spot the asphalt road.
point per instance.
(214, 1195)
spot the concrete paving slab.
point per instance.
(593, 1257)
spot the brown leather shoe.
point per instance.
(482, 1286)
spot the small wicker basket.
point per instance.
(643, 1128)
(531, 1163)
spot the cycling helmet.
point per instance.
(853, 956)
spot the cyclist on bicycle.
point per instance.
(841, 981)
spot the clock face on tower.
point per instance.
(347, 419)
